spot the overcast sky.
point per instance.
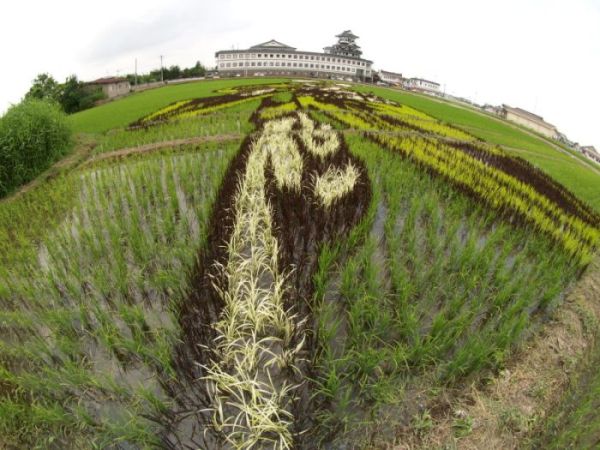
(541, 55)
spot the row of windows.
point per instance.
(422, 84)
(283, 64)
(289, 56)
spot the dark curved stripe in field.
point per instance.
(521, 170)
(302, 225)
(196, 104)
(531, 175)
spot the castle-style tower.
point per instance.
(345, 45)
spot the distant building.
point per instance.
(342, 60)
(591, 152)
(421, 85)
(530, 120)
(492, 109)
(391, 77)
(112, 86)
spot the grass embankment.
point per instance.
(567, 169)
(577, 425)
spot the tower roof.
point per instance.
(348, 34)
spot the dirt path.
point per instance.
(123, 152)
(513, 406)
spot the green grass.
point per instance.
(567, 169)
(122, 112)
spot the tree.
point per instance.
(44, 87)
(172, 73)
(71, 95)
(197, 71)
(33, 134)
(77, 96)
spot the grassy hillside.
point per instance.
(122, 112)
(565, 168)
(285, 267)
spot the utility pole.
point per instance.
(161, 69)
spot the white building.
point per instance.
(391, 77)
(421, 85)
(529, 120)
(342, 60)
(591, 152)
(112, 86)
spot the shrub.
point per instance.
(33, 134)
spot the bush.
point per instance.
(33, 134)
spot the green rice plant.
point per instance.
(105, 282)
(437, 297)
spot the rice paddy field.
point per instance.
(277, 264)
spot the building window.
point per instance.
(221, 65)
(228, 64)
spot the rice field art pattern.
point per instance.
(311, 281)
(297, 187)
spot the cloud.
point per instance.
(184, 18)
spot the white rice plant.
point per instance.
(335, 183)
(330, 144)
(251, 399)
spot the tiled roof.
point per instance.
(108, 80)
